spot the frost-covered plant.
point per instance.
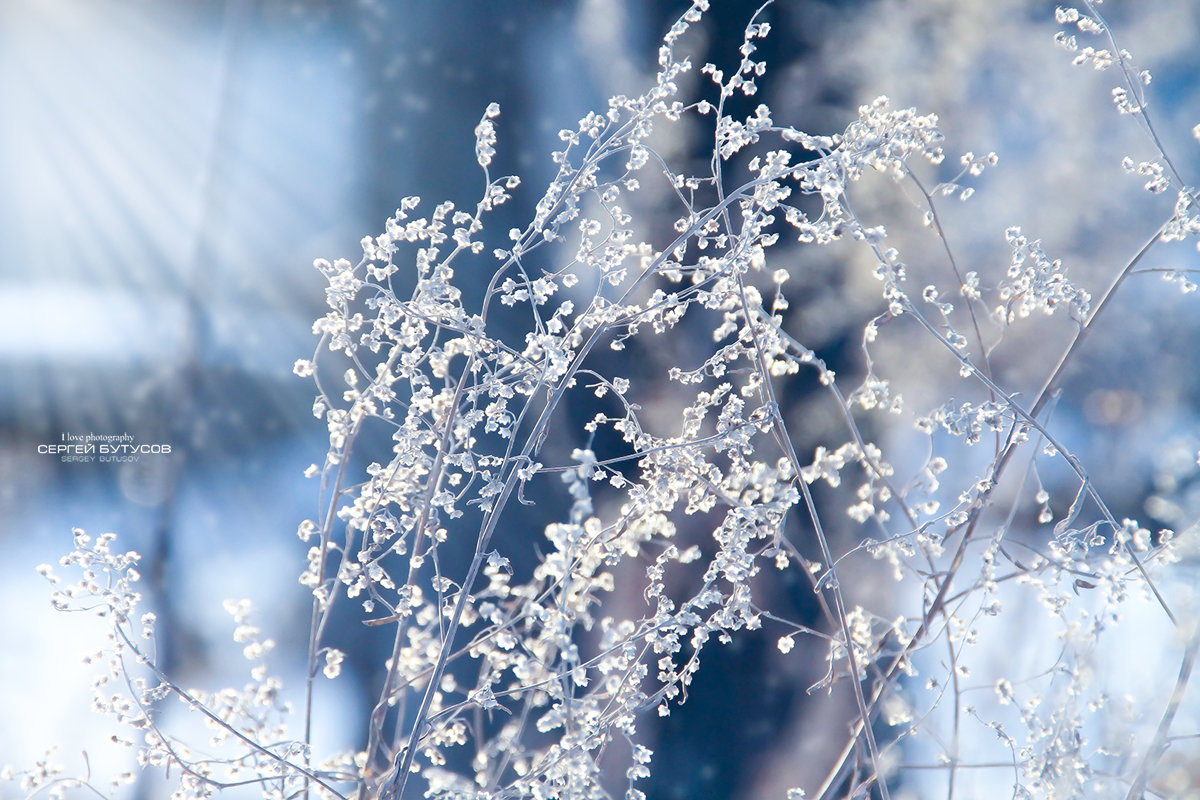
(521, 663)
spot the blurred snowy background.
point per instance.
(169, 171)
